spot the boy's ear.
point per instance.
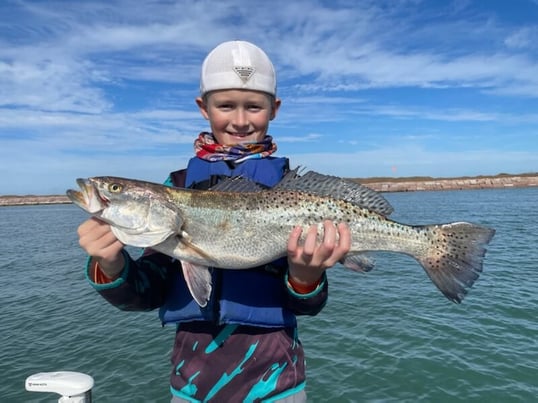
(276, 106)
(203, 107)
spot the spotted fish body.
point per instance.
(239, 226)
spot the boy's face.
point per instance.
(238, 116)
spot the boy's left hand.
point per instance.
(308, 260)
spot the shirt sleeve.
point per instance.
(142, 285)
(302, 304)
(307, 304)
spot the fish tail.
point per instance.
(455, 258)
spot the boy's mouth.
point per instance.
(240, 134)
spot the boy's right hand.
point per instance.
(97, 239)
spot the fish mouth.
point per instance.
(88, 198)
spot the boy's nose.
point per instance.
(240, 118)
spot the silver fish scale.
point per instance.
(267, 219)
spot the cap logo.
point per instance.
(244, 72)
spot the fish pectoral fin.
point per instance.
(187, 244)
(198, 279)
(360, 262)
(143, 239)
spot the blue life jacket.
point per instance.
(250, 297)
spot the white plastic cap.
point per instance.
(237, 65)
(65, 383)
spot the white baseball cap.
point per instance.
(237, 65)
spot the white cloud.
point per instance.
(50, 85)
(526, 37)
(307, 138)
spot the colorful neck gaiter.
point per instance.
(206, 147)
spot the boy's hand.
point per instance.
(308, 261)
(97, 239)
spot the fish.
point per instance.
(239, 224)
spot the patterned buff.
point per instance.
(208, 149)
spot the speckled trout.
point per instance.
(239, 225)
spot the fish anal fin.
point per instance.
(360, 262)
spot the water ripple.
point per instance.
(385, 336)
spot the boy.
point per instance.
(243, 345)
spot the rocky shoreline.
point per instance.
(30, 200)
(463, 183)
(412, 184)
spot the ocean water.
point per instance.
(384, 336)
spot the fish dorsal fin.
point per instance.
(238, 184)
(337, 188)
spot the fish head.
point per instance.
(140, 213)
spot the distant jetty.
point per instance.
(29, 200)
(413, 184)
(388, 184)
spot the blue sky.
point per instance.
(369, 88)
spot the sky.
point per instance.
(369, 88)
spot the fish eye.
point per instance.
(115, 187)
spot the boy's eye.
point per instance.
(229, 106)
